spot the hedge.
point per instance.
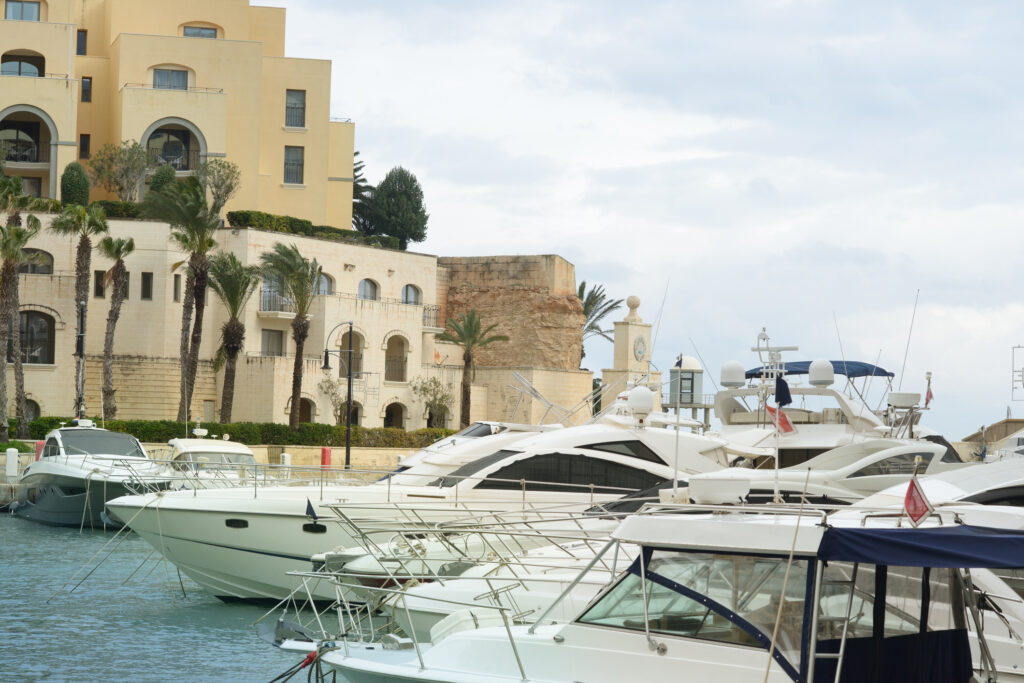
(262, 433)
(299, 226)
(119, 209)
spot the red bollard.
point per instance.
(39, 448)
(325, 457)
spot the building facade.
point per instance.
(190, 80)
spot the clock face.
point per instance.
(640, 348)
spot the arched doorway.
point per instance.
(437, 420)
(27, 135)
(394, 416)
(176, 142)
(307, 409)
(357, 411)
(357, 355)
(394, 359)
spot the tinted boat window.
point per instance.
(471, 468)
(477, 429)
(570, 472)
(78, 441)
(632, 448)
(897, 464)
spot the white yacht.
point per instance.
(239, 543)
(80, 468)
(746, 594)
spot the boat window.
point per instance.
(632, 448)
(741, 594)
(471, 468)
(1007, 495)
(100, 442)
(215, 458)
(570, 472)
(51, 448)
(476, 429)
(902, 463)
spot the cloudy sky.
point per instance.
(805, 166)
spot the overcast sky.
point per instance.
(799, 165)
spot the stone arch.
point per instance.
(52, 312)
(203, 24)
(177, 121)
(396, 358)
(395, 413)
(54, 136)
(307, 401)
(395, 333)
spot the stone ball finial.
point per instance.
(634, 303)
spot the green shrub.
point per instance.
(119, 209)
(265, 433)
(45, 205)
(162, 177)
(74, 185)
(300, 226)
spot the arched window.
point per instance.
(411, 295)
(357, 355)
(394, 359)
(307, 410)
(174, 145)
(325, 285)
(368, 290)
(37, 338)
(41, 262)
(22, 63)
(32, 411)
(357, 411)
(394, 416)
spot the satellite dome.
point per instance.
(640, 400)
(821, 373)
(690, 364)
(733, 374)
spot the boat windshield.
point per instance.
(711, 596)
(100, 442)
(204, 458)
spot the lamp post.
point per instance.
(348, 400)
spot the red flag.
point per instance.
(916, 504)
(780, 420)
(928, 397)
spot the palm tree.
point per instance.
(596, 306)
(233, 284)
(183, 205)
(467, 333)
(13, 239)
(116, 249)
(295, 278)
(85, 222)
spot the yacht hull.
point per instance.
(63, 500)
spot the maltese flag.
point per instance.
(915, 503)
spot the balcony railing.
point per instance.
(274, 301)
(187, 160)
(394, 369)
(432, 316)
(295, 116)
(26, 152)
(150, 86)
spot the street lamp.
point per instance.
(348, 400)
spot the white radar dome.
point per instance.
(640, 401)
(733, 374)
(821, 373)
(690, 364)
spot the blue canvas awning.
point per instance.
(954, 547)
(850, 368)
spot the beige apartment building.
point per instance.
(190, 80)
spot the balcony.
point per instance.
(432, 316)
(274, 305)
(394, 369)
(25, 152)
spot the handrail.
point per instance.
(150, 86)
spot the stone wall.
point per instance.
(531, 298)
(147, 389)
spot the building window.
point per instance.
(325, 285)
(368, 290)
(295, 109)
(22, 10)
(293, 164)
(411, 295)
(97, 283)
(86, 88)
(200, 32)
(127, 284)
(41, 262)
(273, 343)
(84, 142)
(22, 65)
(177, 288)
(170, 79)
(82, 40)
(36, 338)
(147, 286)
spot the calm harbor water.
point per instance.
(112, 627)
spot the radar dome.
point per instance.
(821, 373)
(690, 364)
(733, 374)
(640, 401)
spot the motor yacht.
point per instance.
(80, 468)
(744, 593)
(239, 543)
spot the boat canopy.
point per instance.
(850, 368)
(953, 547)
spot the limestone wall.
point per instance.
(147, 388)
(531, 298)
